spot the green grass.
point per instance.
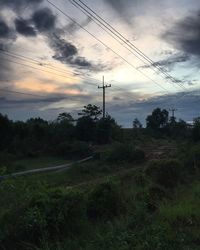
(185, 207)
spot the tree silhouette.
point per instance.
(91, 111)
(137, 123)
(158, 119)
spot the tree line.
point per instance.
(159, 123)
(65, 135)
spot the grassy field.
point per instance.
(105, 205)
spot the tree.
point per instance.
(5, 131)
(91, 111)
(85, 128)
(106, 129)
(136, 128)
(64, 127)
(158, 119)
(65, 117)
(176, 128)
(196, 129)
(137, 123)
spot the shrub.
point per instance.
(151, 197)
(166, 173)
(6, 158)
(64, 212)
(105, 202)
(48, 215)
(192, 158)
(73, 150)
(124, 153)
(140, 179)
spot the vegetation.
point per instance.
(122, 152)
(141, 191)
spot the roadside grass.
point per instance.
(80, 174)
(184, 209)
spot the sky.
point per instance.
(56, 55)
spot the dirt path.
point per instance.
(158, 152)
(48, 169)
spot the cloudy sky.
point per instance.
(58, 63)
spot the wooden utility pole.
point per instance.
(104, 95)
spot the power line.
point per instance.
(34, 95)
(41, 64)
(124, 40)
(121, 89)
(106, 46)
(21, 93)
(30, 66)
(19, 63)
(53, 73)
(114, 32)
(23, 58)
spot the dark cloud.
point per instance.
(4, 29)
(81, 62)
(68, 53)
(7, 37)
(18, 102)
(185, 34)
(170, 62)
(72, 27)
(63, 49)
(121, 7)
(5, 71)
(24, 28)
(44, 20)
(17, 5)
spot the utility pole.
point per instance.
(104, 96)
(173, 112)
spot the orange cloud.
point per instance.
(36, 86)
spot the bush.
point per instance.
(124, 153)
(73, 150)
(140, 179)
(6, 158)
(152, 197)
(105, 202)
(48, 215)
(64, 212)
(166, 173)
(192, 158)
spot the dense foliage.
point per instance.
(64, 136)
